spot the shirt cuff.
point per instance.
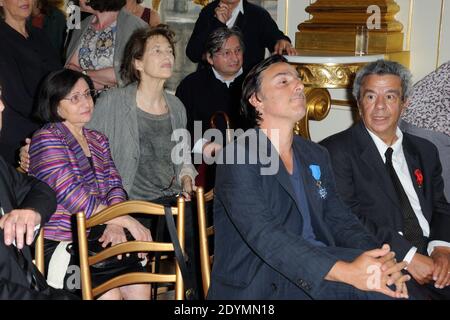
(198, 146)
(410, 255)
(436, 243)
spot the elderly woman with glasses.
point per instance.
(76, 162)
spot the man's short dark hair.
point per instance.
(252, 85)
(383, 67)
(106, 5)
(135, 49)
(219, 36)
(55, 87)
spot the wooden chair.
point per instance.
(115, 211)
(205, 232)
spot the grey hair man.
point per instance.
(392, 180)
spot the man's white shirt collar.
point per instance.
(239, 8)
(227, 82)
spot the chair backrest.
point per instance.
(318, 105)
(115, 211)
(205, 232)
(39, 251)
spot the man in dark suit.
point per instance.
(281, 231)
(392, 180)
(25, 204)
(256, 24)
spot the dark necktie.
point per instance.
(411, 227)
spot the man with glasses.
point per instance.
(215, 86)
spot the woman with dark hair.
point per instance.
(48, 16)
(76, 163)
(97, 48)
(148, 15)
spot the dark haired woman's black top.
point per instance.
(24, 62)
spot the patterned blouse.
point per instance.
(97, 48)
(57, 159)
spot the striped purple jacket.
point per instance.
(57, 159)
